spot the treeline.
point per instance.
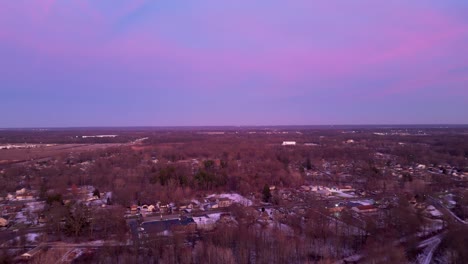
(65, 136)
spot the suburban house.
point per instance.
(346, 188)
(336, 209)
(134, 208)
(363, 209)
(21, 191)
(421, 167)
(464, 175)
(289, 143)
(30, 254)
(186, 207)
(151, 208)
(224, 202)
(3, 222)
(25, 196)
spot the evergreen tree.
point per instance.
(266, 193)
(97, 193)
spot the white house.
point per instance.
(289, 143)
(421, 166)
(21, 191)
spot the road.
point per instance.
(10, 234)
(432, 243)
(431, 240)
(429, 251)
(446, 210)
(65, 245)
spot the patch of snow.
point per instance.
(434, 226)
(96, 243)
(21, 218)
(433, 211)
(235, 197)
(207, 221)
(426, 256)
(32, 237)
(343, 194)
(365, 202)
(35, 206)
(287, 230)
(29, 238)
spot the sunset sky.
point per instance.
(194, 62)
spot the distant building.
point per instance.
(289, 143)
(365, 209)
(336, 209)
(21, 191)
(346, 188)
(421, 167)
(224, 202)
(100, 136)
(26, 196)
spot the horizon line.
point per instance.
(433, 125)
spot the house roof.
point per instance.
(366, 207)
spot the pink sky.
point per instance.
(283, 63)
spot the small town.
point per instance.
(331, 207)
(233, 132)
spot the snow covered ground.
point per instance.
(433, 211)
(343, 194)
(32, 237)
(433, 226)
(28, 214)
(364, 202)
(331, 191)
(285, 229)
(35, 206)
(235, 197)
(207, 222)
(426, 256)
